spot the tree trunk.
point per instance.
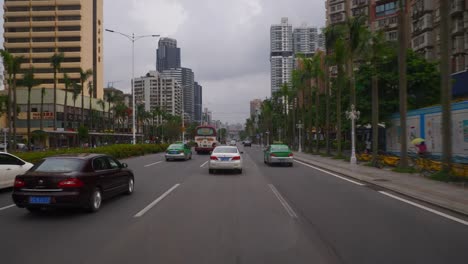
(402, 53)
(55, 108)
(42, 111)
(29, 118)
(446, 85)
(10, 113)
(375, 119)
(82, 104)
(317, 135)
(65, 109)
(327, 110)
(338, 111)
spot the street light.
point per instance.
(300, 126)
(133, 38)
(353, 115)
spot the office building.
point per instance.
(185, 77)
(167, 55)
(37, 30)
(281, 54)
(159, 92)
(198, 102)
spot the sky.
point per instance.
(225, 42)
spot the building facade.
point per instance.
(185, 77)
(281, 54)
(198, 102)
(167, 55)
(37, 30)
(305, 40)
(159, 92)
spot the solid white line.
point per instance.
(203, 165)
(6, 207)
(152, 164)
(160, 198)
(426, 208)
(282, 201)
(332, 174)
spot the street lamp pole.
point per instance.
(133, 38)
(353, 115)
(300, 126)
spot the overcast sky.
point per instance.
(225, 42)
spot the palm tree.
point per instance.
(56, 61)
(317, 74)
(446, 86)
(340, 57)
(29, 81)
(43, 92)
(90, 93)
(67, 83)
(77, 89)
(402, 70)
(102, 103)
(84, 76)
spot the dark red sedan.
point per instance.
(81, 180)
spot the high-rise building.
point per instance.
(305, 40)
(167, 55)
(158, 92)
(198, 102)
(281, 54)
(185, 77)
(37, 30)
(255, 106)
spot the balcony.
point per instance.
(16, 3)
(457, 7)
(458, 27)
(359, 3)
(423, 24)
(16, 45)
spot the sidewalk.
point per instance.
(445, 195)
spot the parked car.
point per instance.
(80, 180)
(278, 154)
(178, 151)
(10, 166)
(232, 143)
(225, 158)
(247, 143)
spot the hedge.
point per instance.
(119, 151)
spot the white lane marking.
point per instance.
(283, 202)
(6, 207)
(203, 165)
(426, 208)
(159, 199)
(152, 164)
(327, 172)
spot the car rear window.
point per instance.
(280, 148)
(58, 165)
(175, 146)
(225, 150)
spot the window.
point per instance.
(100, 164)
(46, 18)
(58, 165)
(17, 9)
(43, 39)
(113, 163)
(17, 40)
(73, 49)
(69, 28)
(17, 19)
(69, 18)
(41, 50)
(386, 9)
(17, 29)
(70, 7)
(43, 8)
(65, 39)
(8, 160)
(43, 29)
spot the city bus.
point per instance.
(205, 139)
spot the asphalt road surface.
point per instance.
(181, 214)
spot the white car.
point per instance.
(10, 166)
(232, 143)
(225, 158)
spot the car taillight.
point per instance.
(70, 183)
(213, 158)
(236, 158)
(272, 155)
(19, 184)
(290, 155)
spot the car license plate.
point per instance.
(39, 200)
(224, 159)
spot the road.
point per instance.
(181, 214)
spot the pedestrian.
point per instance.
(422, 148)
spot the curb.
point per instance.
(453, 210)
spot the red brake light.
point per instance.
(213, 158)
(236, 158)
(290, 155)
(70, 183)
(19, 184)
(272, 155)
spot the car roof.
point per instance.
(84, 156)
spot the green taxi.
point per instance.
(178, 151)
(278, 154)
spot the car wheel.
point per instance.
(130, 186)
(239, 171)
(291, 164)
(33, 210)
(190, 156)
(95, 201)
(210, 171)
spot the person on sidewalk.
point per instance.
(422, 149)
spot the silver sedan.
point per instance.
(225, 158)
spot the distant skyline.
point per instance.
(225, 42)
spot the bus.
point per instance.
(205, 139)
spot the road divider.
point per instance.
(330, 173)
(155, 202)
(285, 204)
(463, 222)
(152, 164)
(7, 207)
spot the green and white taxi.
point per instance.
(278, 154)
(178, 151)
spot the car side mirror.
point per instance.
(124, 165)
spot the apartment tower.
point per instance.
(37, 30)
(281, 54)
